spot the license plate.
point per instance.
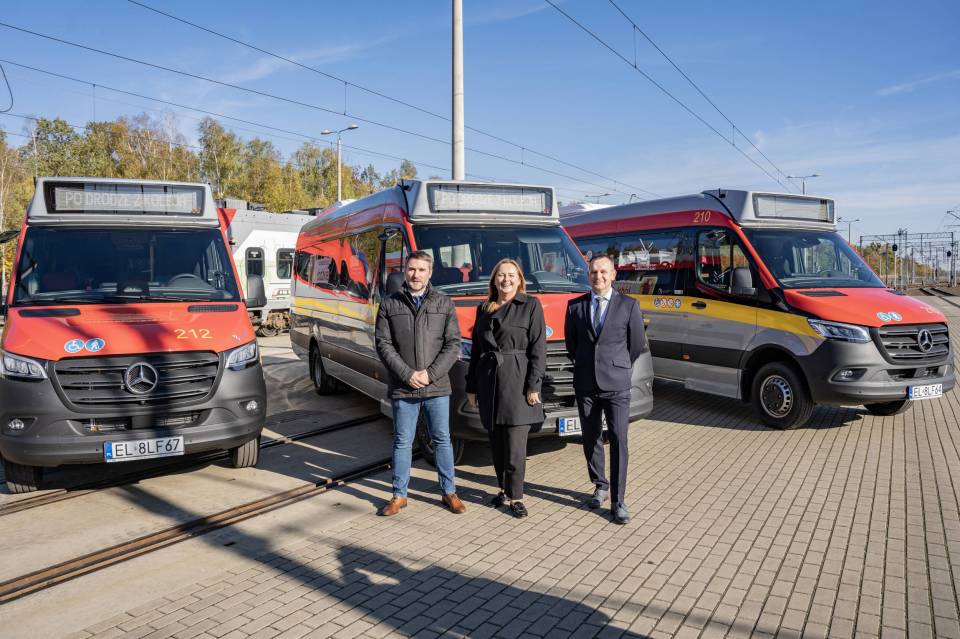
(925, 392)
(568, 426)
(143, 449)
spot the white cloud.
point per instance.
(908, 87)
(268, 65)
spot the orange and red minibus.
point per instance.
(126, 334)
(755, 296)
(349, 258)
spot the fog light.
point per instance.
(16, 424)
(252, 406)
(848, 374)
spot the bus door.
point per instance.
(358, 300)
(722, 317)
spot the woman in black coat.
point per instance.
(506, 369)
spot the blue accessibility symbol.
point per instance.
(73, 346)
(95, 344)
(549, 332)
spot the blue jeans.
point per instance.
(405, 413)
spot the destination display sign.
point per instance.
(793, 208)
(479, 198)
(125, 198)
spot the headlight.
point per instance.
(243, 356)
(842, 332)
(18, 367)
(466, 347)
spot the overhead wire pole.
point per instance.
(457, 119)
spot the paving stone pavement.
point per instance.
(849, 527)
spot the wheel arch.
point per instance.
(758, 358)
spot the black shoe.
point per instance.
(619, 514)
(499, 500)
(518, 509)
(599, 496)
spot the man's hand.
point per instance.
(533, 398)
(419, 379)
(472, 398)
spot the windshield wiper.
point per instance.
(462, 289)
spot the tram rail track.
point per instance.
(187, 463)
(933, 291)
(50, 576)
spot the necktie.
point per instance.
(597, 315)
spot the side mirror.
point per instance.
(742, 283)
(256, 293)
(394, 283)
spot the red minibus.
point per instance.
(126, 335)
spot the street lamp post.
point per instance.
(803, 180)
(849, 225)
(329, 132)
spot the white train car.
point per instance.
(263, 243)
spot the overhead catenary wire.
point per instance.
(298, 103)
(347, 83)
(9, 89)
(665, 91)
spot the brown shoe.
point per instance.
(453, 502)
(393, 507)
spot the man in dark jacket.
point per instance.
(418, 341)
(604, 337)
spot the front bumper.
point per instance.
(56, 435)
(878, 380)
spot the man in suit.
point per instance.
(604, 337)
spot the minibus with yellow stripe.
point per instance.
(349, 258)
(755, 296)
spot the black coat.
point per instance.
(507, 361)
(410, 339)
(604, 362)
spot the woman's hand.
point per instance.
(533, 398)
(472, 398)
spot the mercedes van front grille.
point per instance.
(558, 378)
(166, 378)
(913, 343)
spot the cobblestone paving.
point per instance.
(849, 527)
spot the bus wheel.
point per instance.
(246, 455)
(425, 443)
(888, 408)
(780, 397)
(268, 331)
(20, 478)
(322, 383)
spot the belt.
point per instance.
(498, 355)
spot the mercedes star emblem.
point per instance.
(925, 340)
(141, 378)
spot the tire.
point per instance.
(267, 331)
(21, 478)
(780, 396)
(323, 384)
(246, 455)
(425, 443)
(888, 408)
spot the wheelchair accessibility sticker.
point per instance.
(892, 316)
(666, 302)
(549, 332)
(93, 345)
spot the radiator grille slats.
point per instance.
(905, 344)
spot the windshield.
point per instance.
(812, 259)
(123, 265)
(463, 257)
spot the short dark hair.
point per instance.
(419, 255)
(602, 256)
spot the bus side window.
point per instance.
(254, 258)
(362, 266)
(284, 263)
(391, 265)
(718, 254)
(324, 273)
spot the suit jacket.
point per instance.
(604, 362)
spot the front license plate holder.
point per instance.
(927, 391)
(131, 449)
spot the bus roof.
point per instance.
(115, 201)
(450, 201)
(746, 208)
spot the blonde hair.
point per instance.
(492, 304)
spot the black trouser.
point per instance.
(616, 406)
(509, 447)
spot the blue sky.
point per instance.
(866, 94)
